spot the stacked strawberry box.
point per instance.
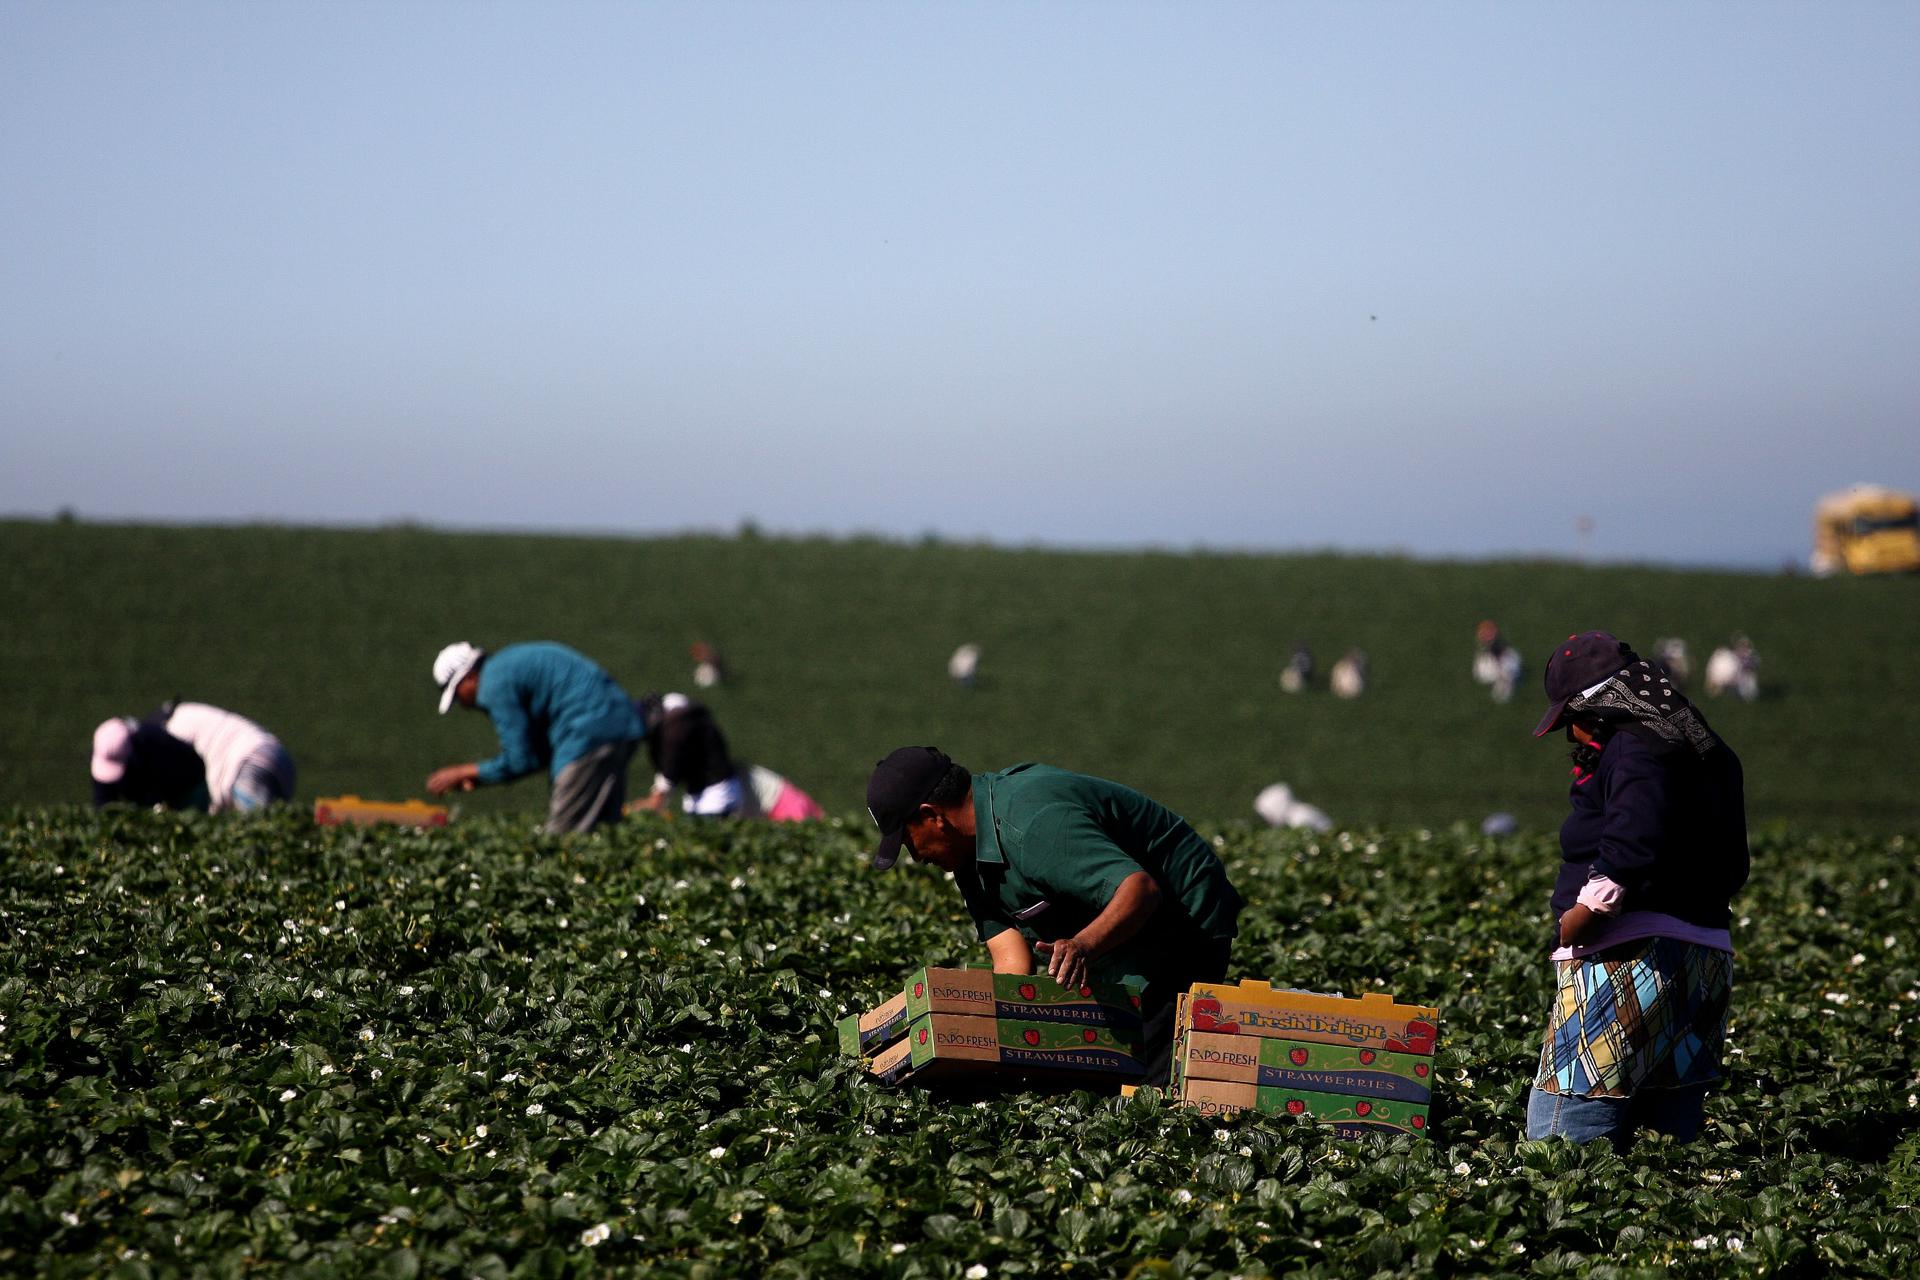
(1362, 1065)
(1022, 1030)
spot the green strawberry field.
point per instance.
(234, 1047)
(1154, 669)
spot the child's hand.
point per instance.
(1575, 924)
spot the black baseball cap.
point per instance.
(1578, 663)
(895, 791)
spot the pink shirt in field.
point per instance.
(223, 739)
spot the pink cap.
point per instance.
(112, 748)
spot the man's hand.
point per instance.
(1125, 914)
(455, 777)
(653, 802)
(1066, 961)
(1576, 924)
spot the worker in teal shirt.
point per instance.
(1094, 876)
(551, 707)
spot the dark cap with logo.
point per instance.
(1577, 664)
(895, 791)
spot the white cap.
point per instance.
(112, 748)
(452, 666)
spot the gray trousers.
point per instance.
(590, 790)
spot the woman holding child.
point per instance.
(1651, 854)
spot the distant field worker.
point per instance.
(138, 762)
(689, 752)
(1281, 808)
(552, 708)
(247, 767)
(1734, 668)
(1298, 673)
(1651, 856)
(190, 755)
(1094, 876)
(1496, 663)
(1348, 679)
(963, 668)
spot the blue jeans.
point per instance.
(265, 776)
(1670, 1111)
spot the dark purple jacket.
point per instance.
(163, 770)
(1666, 825)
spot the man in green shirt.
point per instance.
(1094, 876)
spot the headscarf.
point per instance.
(1640, 699)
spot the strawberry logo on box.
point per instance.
(1418, 1039)
(1085, 992)
(1420, 1069)
(1206, 1015)
(1031, 1036)
(1362, 1108)
(1028, 991)
(1419, 1122)
(1089, 1035)
(1366, 1057)
(1298, 1057)
(923, 1035)
(1295, 1106)
(919, 989)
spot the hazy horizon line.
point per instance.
(748, 528)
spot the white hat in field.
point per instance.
(451, 667)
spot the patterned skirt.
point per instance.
(1650, 1014)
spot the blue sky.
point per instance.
(1432, 278)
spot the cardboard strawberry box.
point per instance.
(1345, 1112)
(865, 1033)
(1373, 1021)
(1176, 1069)
(1019, 1048)
(1034, 998)
(1306, 1064)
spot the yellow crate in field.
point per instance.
(331, 811)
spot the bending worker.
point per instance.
(189, 755)
(550, 707)
(689, 752)
(1095, 877)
